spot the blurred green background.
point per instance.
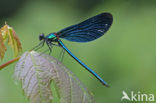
(124, 57)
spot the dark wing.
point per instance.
(87, 30)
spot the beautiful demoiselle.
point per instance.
(85, 31)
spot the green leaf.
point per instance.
(36, 72)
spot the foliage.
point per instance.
(36, 72)
(8, 34)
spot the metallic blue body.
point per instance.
(81, 63)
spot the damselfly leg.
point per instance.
(40, 45)
(61, 56)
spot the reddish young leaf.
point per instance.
(8, 34)
(2, 47)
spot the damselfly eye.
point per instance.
(41, 37)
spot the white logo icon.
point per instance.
(125, 96)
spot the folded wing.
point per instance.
(88, 30)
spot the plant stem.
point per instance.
(9, 62)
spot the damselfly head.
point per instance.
(41, 37)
